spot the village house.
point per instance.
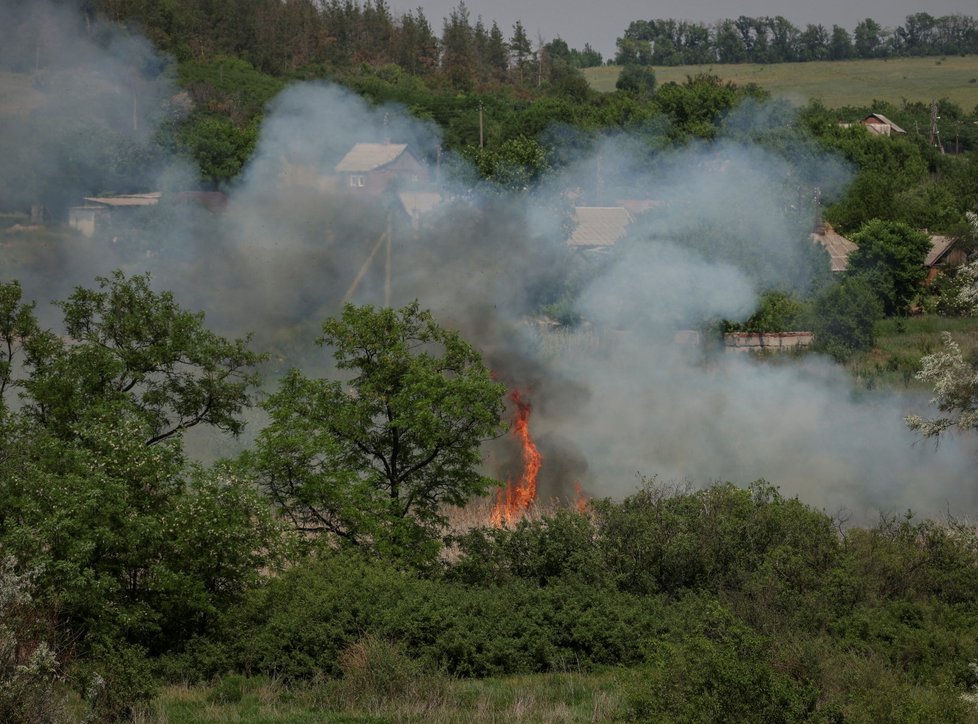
(877, 123)
(838, 246)
(372, 167)
(598, 227)
(944, 254)
(98, 209)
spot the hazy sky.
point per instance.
(600, 23)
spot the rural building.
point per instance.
(877, 123)
(881, 125)
(838, 246)
(767, 341)
(98, 209)
(371, 167)
(944, 253)
(599, 227)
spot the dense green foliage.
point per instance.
(134, 549)
(136, 565)
(373, 461)
(776, 40)
(844, 317)
(724, 602)
(716, 603)
(892, 256)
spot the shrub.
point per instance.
(376, 672)
(713, 668)
(844, 317)
(562, 546)
(301, 623)
(28, 668)
(664, 541)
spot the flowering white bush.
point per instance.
(967, 297)
(26, 681)
(955, 382)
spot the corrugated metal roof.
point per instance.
(939, 246)
(369, 157)
(838, 247)
(599, 225)
(150, 199)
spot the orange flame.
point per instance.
(514, 500)
(582, 499)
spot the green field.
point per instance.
(838, 83)
(900, 344)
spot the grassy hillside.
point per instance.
(839, 83)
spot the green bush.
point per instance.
(660, 541)
(562, 546)
(376, 672)
(228, 689)
(298, 626)
(844, 317)
(710, 668)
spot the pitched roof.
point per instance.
(939, 246)
(599, 225)
(150, 199)
(887, 121)
(370, 156)
(838, 247)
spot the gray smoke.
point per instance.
(614, 396)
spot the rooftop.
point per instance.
(600, 226)
(370, 156)
(838, 247)
(150, 199)
(939, 246)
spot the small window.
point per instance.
(356, 181)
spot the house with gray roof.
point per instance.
(599, 227)
(372, 167)
(838, 246)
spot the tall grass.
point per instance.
(900, 345)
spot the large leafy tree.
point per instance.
(893, 255)
(371, 460)
(136, 350)
(97, 494)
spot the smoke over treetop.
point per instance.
(615, 396)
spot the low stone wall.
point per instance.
(774, 341)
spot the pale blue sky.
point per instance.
(600, 22)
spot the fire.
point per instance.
(581, 499)
(515, 499)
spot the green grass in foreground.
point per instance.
(900, 343)
(538, 698)
(837, 83)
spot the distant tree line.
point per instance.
(776, 40)
(309, 36)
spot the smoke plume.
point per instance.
(614, 395)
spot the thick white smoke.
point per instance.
(616, 396)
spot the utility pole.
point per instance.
(935, 132)
(480, 126)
